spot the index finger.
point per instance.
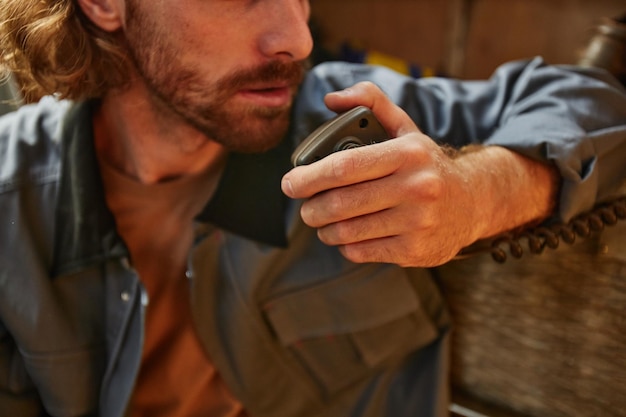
(342, 168)
(359, 164)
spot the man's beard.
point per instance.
(181, 91)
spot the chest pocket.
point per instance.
(348, 328)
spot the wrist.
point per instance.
(508, 190)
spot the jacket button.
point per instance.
(125, 296)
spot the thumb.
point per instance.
(368, 94)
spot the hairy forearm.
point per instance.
(510, 190)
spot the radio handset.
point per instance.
(354, 128)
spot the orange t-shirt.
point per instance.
(176, 377)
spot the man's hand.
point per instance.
(407, 201)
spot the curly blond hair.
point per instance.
(53, 48)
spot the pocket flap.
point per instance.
(370, 296)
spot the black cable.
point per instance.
(550, 236)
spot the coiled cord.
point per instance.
(550, 236)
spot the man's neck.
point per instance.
(143, 143)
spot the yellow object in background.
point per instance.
(364, 56)
(379, 58)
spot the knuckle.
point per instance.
(369, 86)
(335, 203)
(434, 186)
(309, 215)
(324, 237)
(416, 148)
(428, 186)
(372, 251)
(427, 222)
(345, 232)
(342, 166)
(354, 254)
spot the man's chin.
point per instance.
(250, 136)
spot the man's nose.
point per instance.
(287, 32)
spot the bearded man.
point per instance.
(160, 258)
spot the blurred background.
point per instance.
(461, 38)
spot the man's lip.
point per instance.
(268, 95)
(267, 86)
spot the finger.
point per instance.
(395, 219)
(396, 250)
(343, 203)
(344, 168)
(358, 229)
(340, 169)
(368, 94)
(383, 250)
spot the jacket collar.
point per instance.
(248, 200)
(85, 228)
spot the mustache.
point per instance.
(273, 71)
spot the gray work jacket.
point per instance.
(293, 328)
